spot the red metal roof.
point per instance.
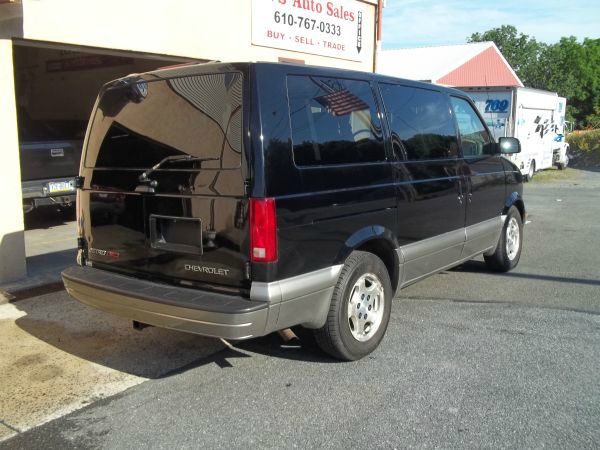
(488, 68)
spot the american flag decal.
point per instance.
(342, 102)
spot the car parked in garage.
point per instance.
(253, 197)
(49, 157)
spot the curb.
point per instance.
(5, 297)
(28, 292)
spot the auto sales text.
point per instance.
(331, 9)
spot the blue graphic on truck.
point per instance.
(492, 106)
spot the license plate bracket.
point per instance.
(176, 234)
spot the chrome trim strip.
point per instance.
(374, 186)
(484, 174)
(294, 287)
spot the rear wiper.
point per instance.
(170, 159)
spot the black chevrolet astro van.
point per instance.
(234, 200)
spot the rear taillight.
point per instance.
(263, 230)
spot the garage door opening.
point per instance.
(55, 88)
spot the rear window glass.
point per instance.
(421, 121)
(138, 125)
(333, 121)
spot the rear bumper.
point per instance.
(55, 200)
(190, 310)
(37, 193)
(301, 300)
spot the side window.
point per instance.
(420, 122)
(334, 121)
(475, 140)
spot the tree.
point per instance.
(568, 67)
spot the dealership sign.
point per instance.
(327, 28)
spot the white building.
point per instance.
(55, 55)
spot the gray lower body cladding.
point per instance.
(438, 253)
(272, 306)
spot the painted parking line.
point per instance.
(59, 355)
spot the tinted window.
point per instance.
(474, 138)
(334, 121)
(420, 122)
(138, 125)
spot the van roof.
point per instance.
(201, 68)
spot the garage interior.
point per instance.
(55, 89)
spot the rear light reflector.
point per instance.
(263, 230)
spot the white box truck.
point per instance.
(535, 117)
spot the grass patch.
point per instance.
(554, 174)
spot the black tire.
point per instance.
(336, 337)
(531, 172)
(503, 259)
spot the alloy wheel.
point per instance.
(365, 307)
(512, 238)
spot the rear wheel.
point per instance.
(531, 172)
(508, 251)
(360, 308)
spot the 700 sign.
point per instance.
(496, 106)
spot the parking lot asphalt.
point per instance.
(470, 359)
(59, 355)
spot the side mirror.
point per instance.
(509, 145)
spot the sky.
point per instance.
(415, 23)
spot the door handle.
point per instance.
(459, 188)
(469, 189)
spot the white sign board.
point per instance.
(320, 27)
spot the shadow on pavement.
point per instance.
(43, 274)
(303, 349)
(45, 218)
(108, 340)
(480, 267)
(53, 263)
